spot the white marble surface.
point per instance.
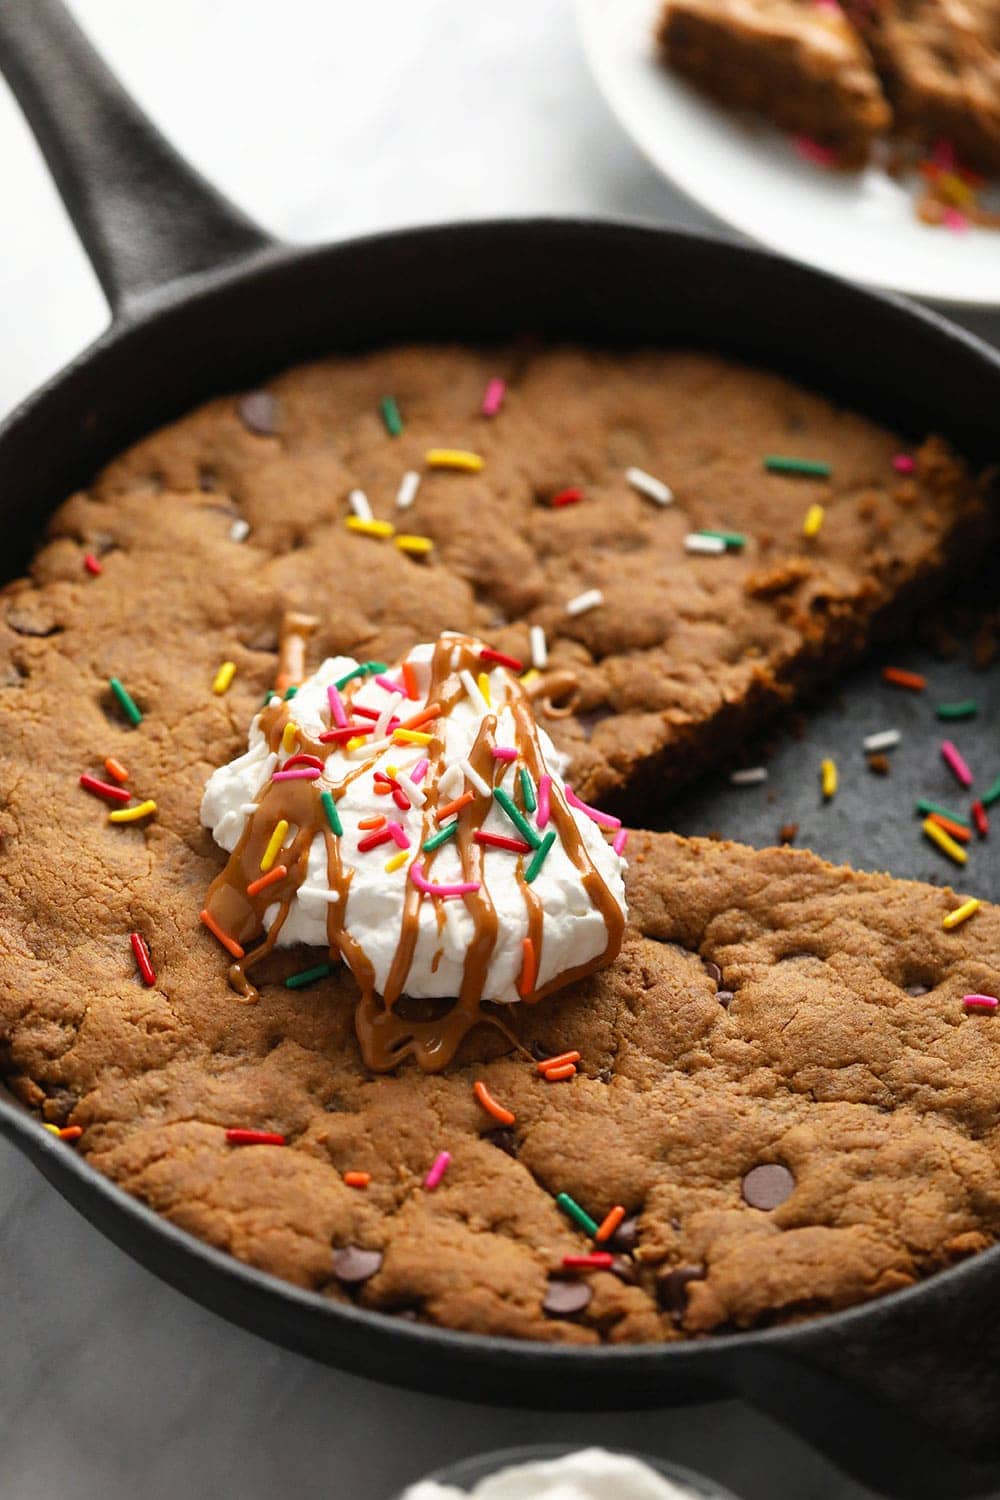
(322, 118)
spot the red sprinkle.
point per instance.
(488, 654)
(981, 819)
(372, 840)
(566, 497)
(105, 789)
(598, 1260)
(254, 1138)
(501, 841)
(141, 950)
(92, 565)
(302, 760)
(900, 678)
(349, 731)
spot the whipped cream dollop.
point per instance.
(591, 1474)
(430, 839)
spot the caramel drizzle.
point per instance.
(385, 1035)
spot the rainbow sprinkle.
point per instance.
(414, 546)
(702, 543)
(440, 1166)
(541, 854)
(133, 814)
(813, 521)
(572, 1210)
(126, 702)
(828, 776)
(539, 647)
(493, 396)
(223, 678)
(944, 841)
(380, 529)
(454, 458)
(648, 485)
(408, 487)
(518, 819)
(527, 790)
(953, 759)
(985, 1003)
(390, 416)
(358, 501)
(775, 463)
(332, 815)
(92, 565)
(960, 914)
(437, 839)
(274, 843)
(966, 709)
(581, 603)
(308, 976)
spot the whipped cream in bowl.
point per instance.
(413, 820)
(587, 1474)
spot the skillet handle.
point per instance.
(144, 216)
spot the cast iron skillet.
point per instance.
(203, 301)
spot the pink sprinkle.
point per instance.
(336, 703)
(460, 888)
(980, 1002)
(397, 832)
(544, 805)
(493, 398)
(390, 686)
(903, 463)
(956, 764)
(419, 771)
(91, 564)
(441, 1164)
(943, 155)
(301, 773)
(504, 752)
(827, 5)
(603, 819)
(620, 840)
(810, 150)
(955, 220)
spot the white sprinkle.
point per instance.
(411, 789)
(589, 599)
(471, 686)
(248, 809)
(358, 501)
(709, 545)
(481, 786)
(753, 776)
(408, 486)
(239, 531)
(382, 722)
(370, 746)
(653, 489)
(886, 739)
(450, 782)
(314, 893)
(539, 647)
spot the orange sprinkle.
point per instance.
(410, 680)
(116, 769)
(454, 807)
(432, 711)
(70, 1132)
(529, 968)
(277, 873)
(899, 678)
(282, 682)
(486, 1099)
(383, 789)
(955, 829)
(375, 822)
(609, 1223)
(556, 1075)
(230, 944)
(557, 1062)
(357, 1179)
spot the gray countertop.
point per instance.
(322, 120)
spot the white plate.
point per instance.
(859, 225)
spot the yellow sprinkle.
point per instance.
(954, 188)
(960, 914)
(484, 687)
(370, 528)
(944, 841)
(828, 771)
(397, 860)
(454, 458)
(54, 1129)
(390, 770)
(274, 843)
(417, 545)
(813, 520)
(359, 739)
(289, 736)
(409, 737)
(132, 814)
(530, 676)
(224, 677)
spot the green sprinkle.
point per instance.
(289, 693)
(734, 539)
(993, 795)
(332, 815)
(572, 1209)
(518, 819)
(308, 976)
(126, 702)
(538, 858)
(925, 806)
(779, 465)
(363, 669)
(390, 416)
(528, 790)
(268, 696)
(967, 709)
(437, 839)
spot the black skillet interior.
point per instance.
(204, 302)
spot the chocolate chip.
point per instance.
(259, 413)
(538, 1052)
(564, 1299)
(504, 1139)
(713, 971)
(787, 833)
(624, 1267)
(605, 1075)
(352, 1265)
(626, 1236)
(725, 998)
(768, 1185)
(673, 1289)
